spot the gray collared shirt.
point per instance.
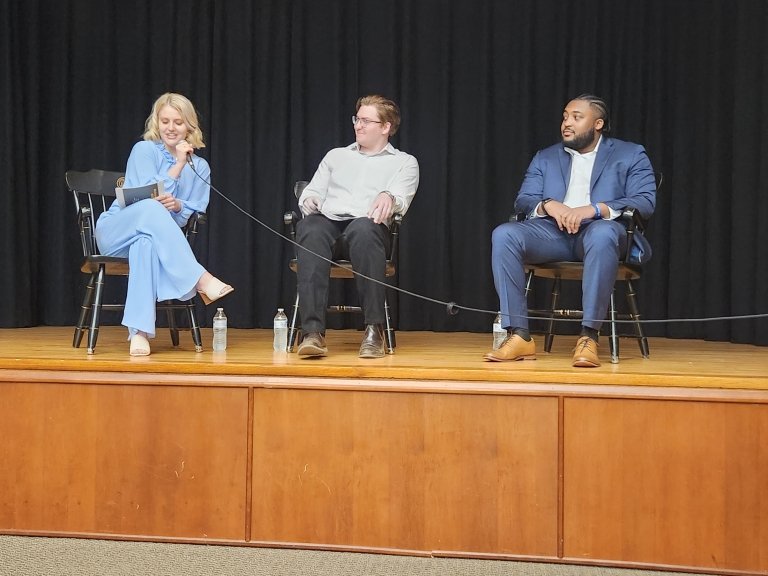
(347, 181)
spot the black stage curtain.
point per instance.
(481, 85)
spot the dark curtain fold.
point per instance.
(481, 86)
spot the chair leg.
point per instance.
(528, 283)
(613, 340)
(93, 330)
(292, 329)
(171, 314)
(194, 327)
(528, 288)
(85, 311)
(549, 335)
(642, 341)
(389, 332)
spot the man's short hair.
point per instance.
(600, 106)
(388, 111)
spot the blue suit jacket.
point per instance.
(621, 178)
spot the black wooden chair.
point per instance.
(341, 269)
(629, 271)
(94, 192)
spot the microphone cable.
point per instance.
(452, 308)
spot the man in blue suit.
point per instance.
(572, 194)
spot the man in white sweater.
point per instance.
(354, 194)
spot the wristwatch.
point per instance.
(542, 205)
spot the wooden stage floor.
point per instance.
(423, 356)
(658, 462)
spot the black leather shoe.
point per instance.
(373, 342)
(313, 345)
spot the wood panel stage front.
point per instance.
(647, 463)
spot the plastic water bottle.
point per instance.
(499, 333)
(219, 331)
(280, 343)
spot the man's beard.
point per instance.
(581, 141)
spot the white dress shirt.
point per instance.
(581, 173)
(578, 192)
(348, 180)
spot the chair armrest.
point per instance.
(289, 224)
(87, 238)
(634, 223)
(394, 235)
(196, 220)
(397, 221)
(631, 217)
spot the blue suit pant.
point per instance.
(598, 243)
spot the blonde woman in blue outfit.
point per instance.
(162, 264)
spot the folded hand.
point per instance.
(169, 202)
(381, 209)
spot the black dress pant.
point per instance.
(366, 246)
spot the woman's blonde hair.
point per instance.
(184, 107)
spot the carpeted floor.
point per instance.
(32, 556)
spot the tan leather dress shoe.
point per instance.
(585, 353)
(313, 346)
(373, 342)
(513, 348)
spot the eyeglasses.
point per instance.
(363, 121)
